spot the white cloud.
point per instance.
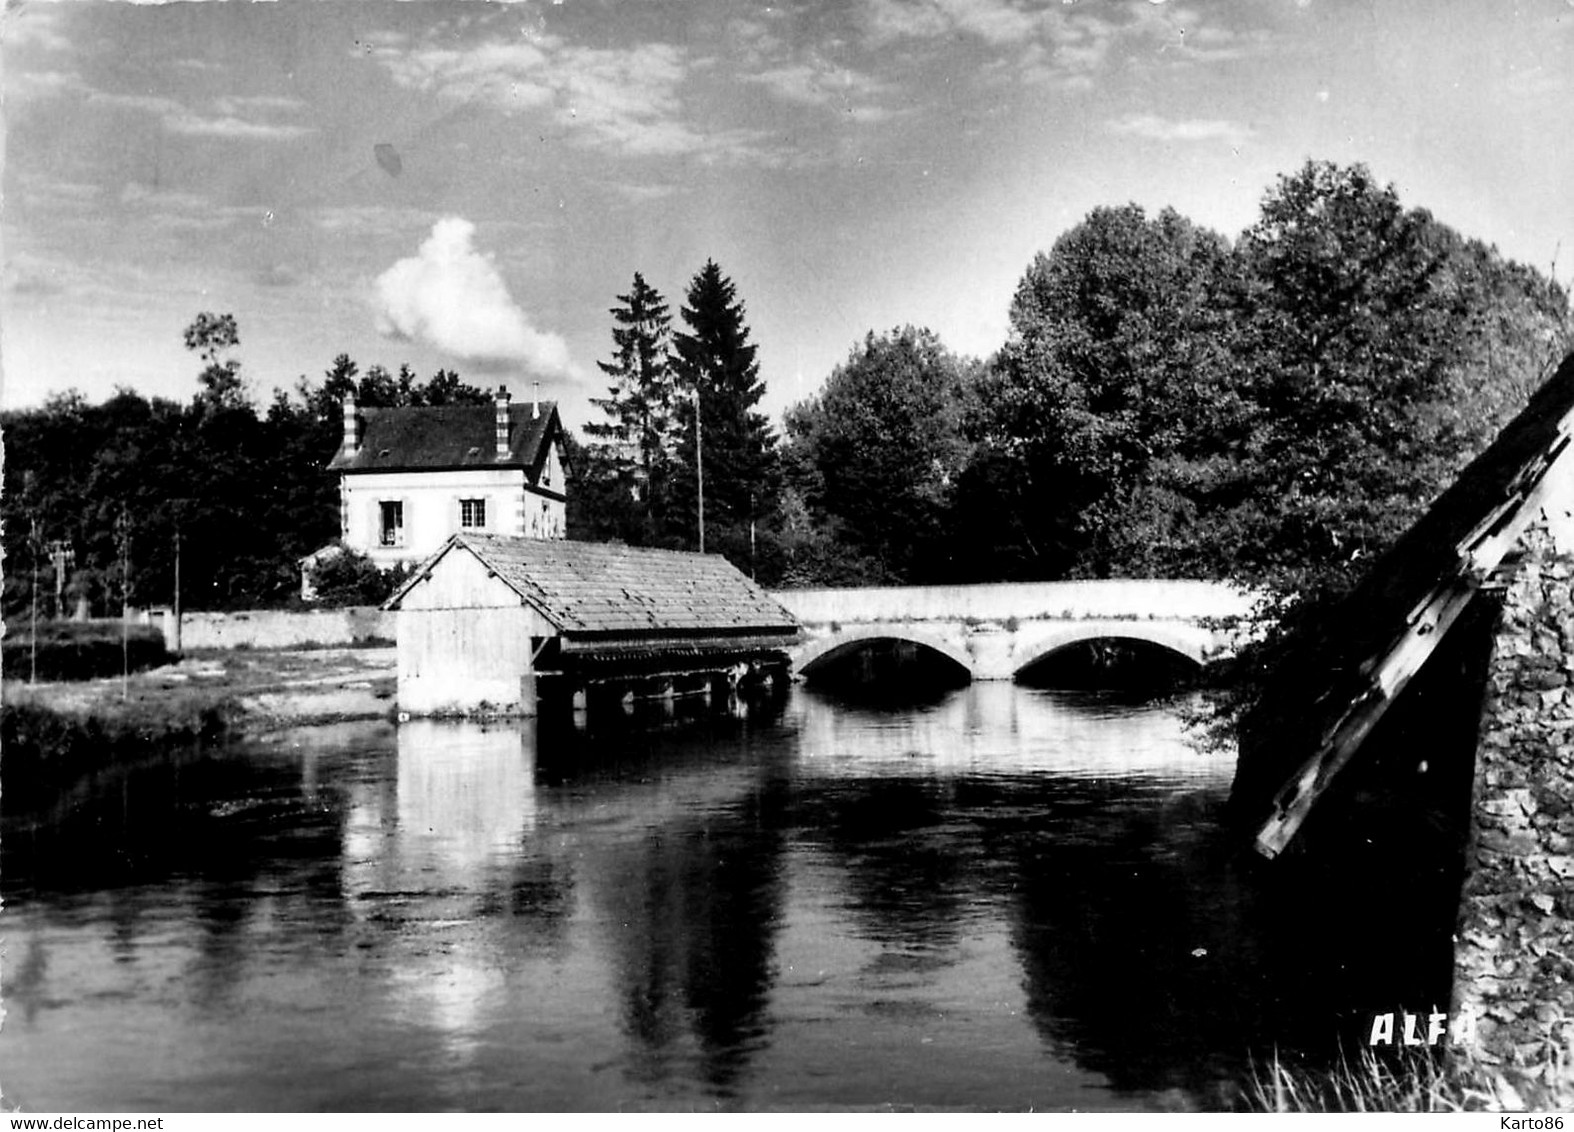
(236, 117)
(1155, 128)
(623, 100)
(42, 84)
(35, 26)
(818, 83)
(190, 124)
(452, 297)
(997, 22)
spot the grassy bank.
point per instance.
(1447, 1081)
(48, 746)
(55, 733)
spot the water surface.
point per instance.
(1006, 898)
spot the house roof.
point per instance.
(1316, 703)
(448, 436)
(598, 594)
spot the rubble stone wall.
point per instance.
(1514, 951)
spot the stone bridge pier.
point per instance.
(996, 631)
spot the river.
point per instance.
(1000, 898)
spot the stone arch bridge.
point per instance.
(996, 631)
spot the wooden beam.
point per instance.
(1388, 679)
(1389, 671)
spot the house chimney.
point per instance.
(535, 400)
(352, 426)
(502, 421)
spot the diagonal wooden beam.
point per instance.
(1388, 672)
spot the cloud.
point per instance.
(174, 210)
(997, 22)
(35, 26)
(235, 117)
(31, 278)
(623, 100)
(189, 124)
(1155, 128)
(370, 220)
(452, 297)
(817, 83)
(277, 275)
(42, 84)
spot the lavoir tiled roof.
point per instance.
(599, 594)
(448, 436)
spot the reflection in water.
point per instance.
(999, 898)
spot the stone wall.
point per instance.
(1514, 955)
(278, 629)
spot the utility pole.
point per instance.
(177, 587)
(61, 556)
(123, 537)
(699, 464)
(37, 545)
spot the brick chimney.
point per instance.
(352, 426)
(535, 400)
(502, 421)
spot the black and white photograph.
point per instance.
(835, 556)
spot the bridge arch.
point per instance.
(820, 651)
(1190, 642)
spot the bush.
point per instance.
(349, 578)
(81, 650)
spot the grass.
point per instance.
(48, 747)
(1445, 1081)
(52, 734)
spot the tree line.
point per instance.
(1168, 403)
(1273, 409)
(238, 493)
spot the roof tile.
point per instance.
(587, 588)
(448, 436)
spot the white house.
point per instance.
(411, 477)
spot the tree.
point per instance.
(878, 453)
(1113, 393)
(1370, 334)
(631, 451)
(444, 388)
(715, 366)
(211, 335)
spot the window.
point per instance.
(472, 513)
(390, 523)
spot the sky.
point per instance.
(472, 185)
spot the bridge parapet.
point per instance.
(1120, 598)
(995, 631)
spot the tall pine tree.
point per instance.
(630, 453)
(715, 367)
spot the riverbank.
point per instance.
(55, 730)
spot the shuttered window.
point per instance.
(390, 522)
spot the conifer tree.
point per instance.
(631, 450)
(715, 367)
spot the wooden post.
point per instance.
(177, 590)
